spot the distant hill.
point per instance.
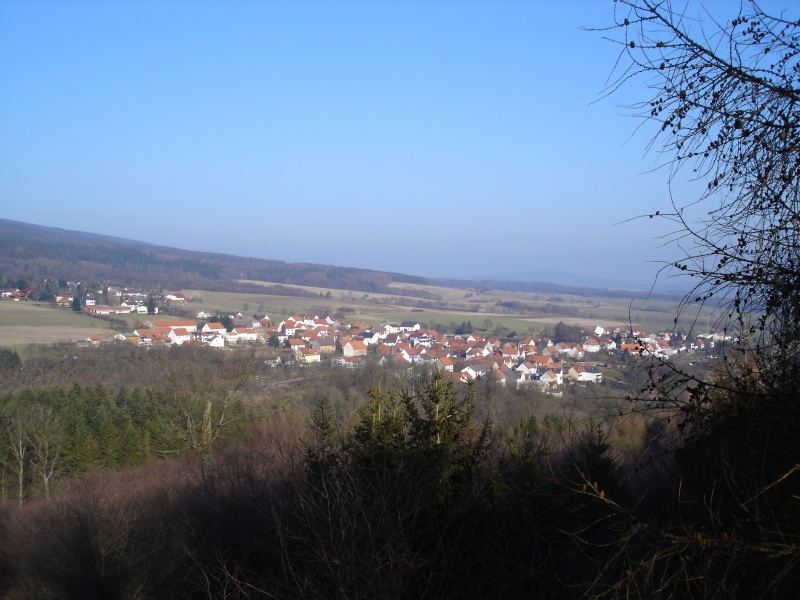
(48, 252)
(34, 251)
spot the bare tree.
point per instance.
(45, 438)
(17, 443)
(724, 96)
(201, 388)
(725, 99)
(34, 438)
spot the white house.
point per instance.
(215, 341)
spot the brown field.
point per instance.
(21, 335)
(23, 323)
(456, 305)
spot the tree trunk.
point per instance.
(21, 483)
(207, 467)
(46, 480)
(206, 459)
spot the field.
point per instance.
(488, 311)
(24, 323)
(432, 305)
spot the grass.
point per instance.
(24, 323)
(34, 314)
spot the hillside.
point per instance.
(34, 252)
(46, 252)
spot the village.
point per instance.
(545, 362)
(542, 362)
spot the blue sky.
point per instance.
(432, 138)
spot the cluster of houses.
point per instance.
(541, 362)
(121, 300)
(15, 294)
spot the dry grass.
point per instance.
(22, 335)
(23, 323)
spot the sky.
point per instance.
(442, 139)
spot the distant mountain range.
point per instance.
(37, 252)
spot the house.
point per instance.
(307, 355)
(609, 344)
(354, 348)
(178, 297)
(576, 352)
(540, 360)
(370, 337)
(295, 344)
(582, 373)
(247, 323)
(190, 326)
(390, 328)
(131, 337)
(391, 339)
(180, 336)
(324, 345)
(213, 329)
(444, 363)
(152, 337)
(409, 326)
(551, 378)
(591, 345)
(290, 327)
(510, 351)
(402, 358)
(468, 374)
(98, 309)
(527, 368)
(506, 377)
(499, 376)
(351, 362)
(215, 341)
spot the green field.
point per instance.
(34, 314)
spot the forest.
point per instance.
(189, 472)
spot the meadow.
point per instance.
(489, 311)
(23, 323)
(523, 312)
